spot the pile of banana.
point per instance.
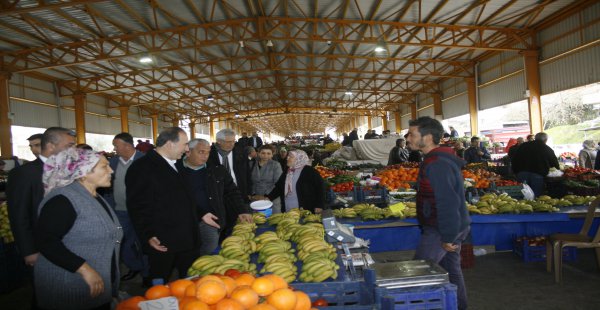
(318, 266)
(496, 204)
(278, 258)
(345, 212)
(411, 209)
(308, 229)
(259, 218)
(294, 215)
(313, 218)
(209, 264)
(241, 242)
(5, 231)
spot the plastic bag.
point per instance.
(528, 193)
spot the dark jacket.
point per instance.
(242, 142)
(310, 189)
(415, 156)
(250, 142)
(24, 192)
(224, 197)
(441, 193)
(534, 156)
(513, 150)
(346, 141)
(107, 193)
(353, 136)
(597, 161)
(159, 204)
(240, 168)
(397, 157)
(472, 156)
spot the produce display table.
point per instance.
(499, 230)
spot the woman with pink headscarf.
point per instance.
(301, 187)
(77, 234)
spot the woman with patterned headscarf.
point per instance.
(301, 186)
(77, 234)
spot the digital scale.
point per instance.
(409, 273)
(336, 232)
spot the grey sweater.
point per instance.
(94, 237)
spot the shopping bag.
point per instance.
(527, 192)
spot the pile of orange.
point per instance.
(398, 178)
(480, 181)
(218, 292)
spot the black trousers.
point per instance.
(162, 263)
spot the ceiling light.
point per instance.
(379, 49)
(241, 43)
(348, 93)
(236, 114)
(269, 43)
(210, 98)
(145, 59)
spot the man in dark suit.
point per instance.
(353, 136)
(255, 141)
(243, 141)
(131, 252)
(235, 162)
(161, 208)
(25, 190)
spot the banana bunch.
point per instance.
(264, 238)
(309, 244)
(286, 229)
(259, 218)
(411, 209)
(305, 213)
(285, 269)
(318, 269)
(314, 218)
(276, 251)
(369, 212)
(306, 230)
(345, 212)
(210, 264)
(240, 244)
(575, 200)
(359, 207)
(291, 215)
(5, 231)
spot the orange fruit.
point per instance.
(186, 300)
(208, 278)
(196, 305)
(282, 299)
(178, 287)
(229, 304)
(278, 281)
(302, 301)
(190, 291)
(245, 279)
(211, 292)
(263, 307)
(263, 286)
(158, 291)
(245, 296)
(230, 284)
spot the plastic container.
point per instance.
(538, 253)
(262, 206)
(442, 297)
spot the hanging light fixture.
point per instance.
(145, 59)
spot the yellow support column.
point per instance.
(384, 121)
(79, 99)
(192, 128)
(413, 111)
(437, 107)
(124, 118)
(532, 74)
(175, 122)
(398, 119)
(369, 122)
(154, 118)
(5, 132)
(211, 131)
(473, 111)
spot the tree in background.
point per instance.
(566, 109)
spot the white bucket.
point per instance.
(263, 206)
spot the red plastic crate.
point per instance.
(467, 258)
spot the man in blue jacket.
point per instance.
(131, 250)
(441, 208)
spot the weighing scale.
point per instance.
(337, 232)
(409, 273)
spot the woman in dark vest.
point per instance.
(78, 234)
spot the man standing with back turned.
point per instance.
(441, 208)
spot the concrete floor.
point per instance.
(497, 281)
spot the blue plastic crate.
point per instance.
(349, 196)
(531, 253)
(433, 297)
(376, 196)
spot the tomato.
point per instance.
(320, 303)
(233, 273)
